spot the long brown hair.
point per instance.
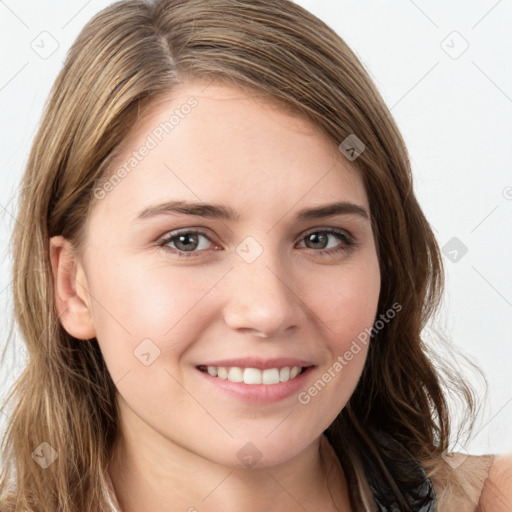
(127, 56)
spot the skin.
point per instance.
(497, 492)
(178, 439)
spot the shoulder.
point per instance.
(497, 490)
(459, 480)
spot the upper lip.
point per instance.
(261, 364)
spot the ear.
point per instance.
(71, 290)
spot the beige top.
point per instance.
(461, 487)
(457, 487)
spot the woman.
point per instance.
(190, 347)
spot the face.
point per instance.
(182, 296)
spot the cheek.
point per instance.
(133, 304)
(346, 307)
(346, 301)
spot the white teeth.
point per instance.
(284, 374)
(270, 376)
(235, 375)
(294, 372)
(254, 375)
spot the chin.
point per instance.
(261, 452)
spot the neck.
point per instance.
(165, 476)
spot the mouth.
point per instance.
(254, 376)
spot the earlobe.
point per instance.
(71, 290)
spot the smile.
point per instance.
(253, 375)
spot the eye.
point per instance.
(186, 243)
(329, 241)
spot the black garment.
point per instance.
(407, 473)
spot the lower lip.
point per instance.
(259, 393)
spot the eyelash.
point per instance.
(342, 235)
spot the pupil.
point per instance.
(184, 240)
(315, 238)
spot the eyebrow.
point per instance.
(217, 211)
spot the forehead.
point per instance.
(222, 144)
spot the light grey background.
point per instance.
(453, 105)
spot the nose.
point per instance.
(260, 298)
